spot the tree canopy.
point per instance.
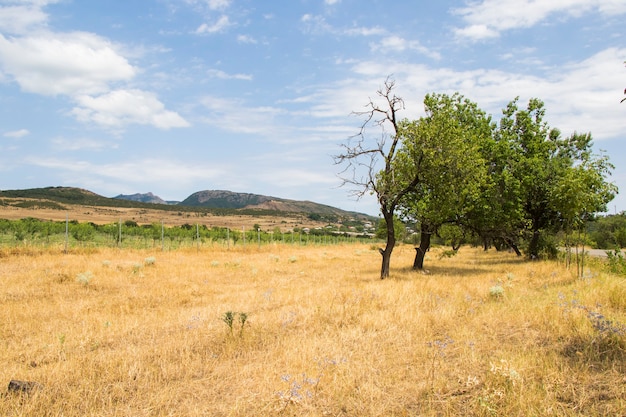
(512, 182)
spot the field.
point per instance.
(100, 215)
(306, 331)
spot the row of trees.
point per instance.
(509, 182)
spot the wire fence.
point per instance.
(128, 234)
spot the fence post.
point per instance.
(67, 227)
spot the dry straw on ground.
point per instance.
(307, 331)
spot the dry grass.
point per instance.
(104, 215)
(140, 333)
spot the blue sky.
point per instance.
(178, 96)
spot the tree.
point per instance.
(444, 150)
(582, 190)
(556, 180)
(363, 157)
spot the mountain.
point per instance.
(245, 201)
(224, 199)
(143, 198)
(216, 201)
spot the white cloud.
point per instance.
(398, 44)
(17, 134)
(79, 144)
(580, 96)
(114, 177)
(364, 31)
(118, 108)
(234, 116)
(20, 19)
(68, 64)
(488, 18)
(222, 24)
(225, 76)
(218, 4)
(246, 39)
(317, 24)
(80, 65)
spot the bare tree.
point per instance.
(363, 158)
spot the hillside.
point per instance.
(143, 198)
(214, 202)
(232, 200)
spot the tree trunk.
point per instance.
(421, 251)
(384, 270)
(391, 242)
(513, 246)
(533, 247)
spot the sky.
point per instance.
(178, 96)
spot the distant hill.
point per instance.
(144, 198)
(215, 201)
(224, 199)
(232, 200)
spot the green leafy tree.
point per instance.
(556, 182)
(444, 150)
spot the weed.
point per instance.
(84, 278)
(616, 262)
(448, 253)
(229, 319)
(496, 292)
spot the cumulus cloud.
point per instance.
(488, 18)
(68, 64)
(80, 65)
(121, 107)
(20, 19)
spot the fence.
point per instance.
(128, 234)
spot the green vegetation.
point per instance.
(517, 183)
(129, 234)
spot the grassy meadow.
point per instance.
(307, 331)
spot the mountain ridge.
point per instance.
(211, 200)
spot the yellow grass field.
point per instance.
(286, 330)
